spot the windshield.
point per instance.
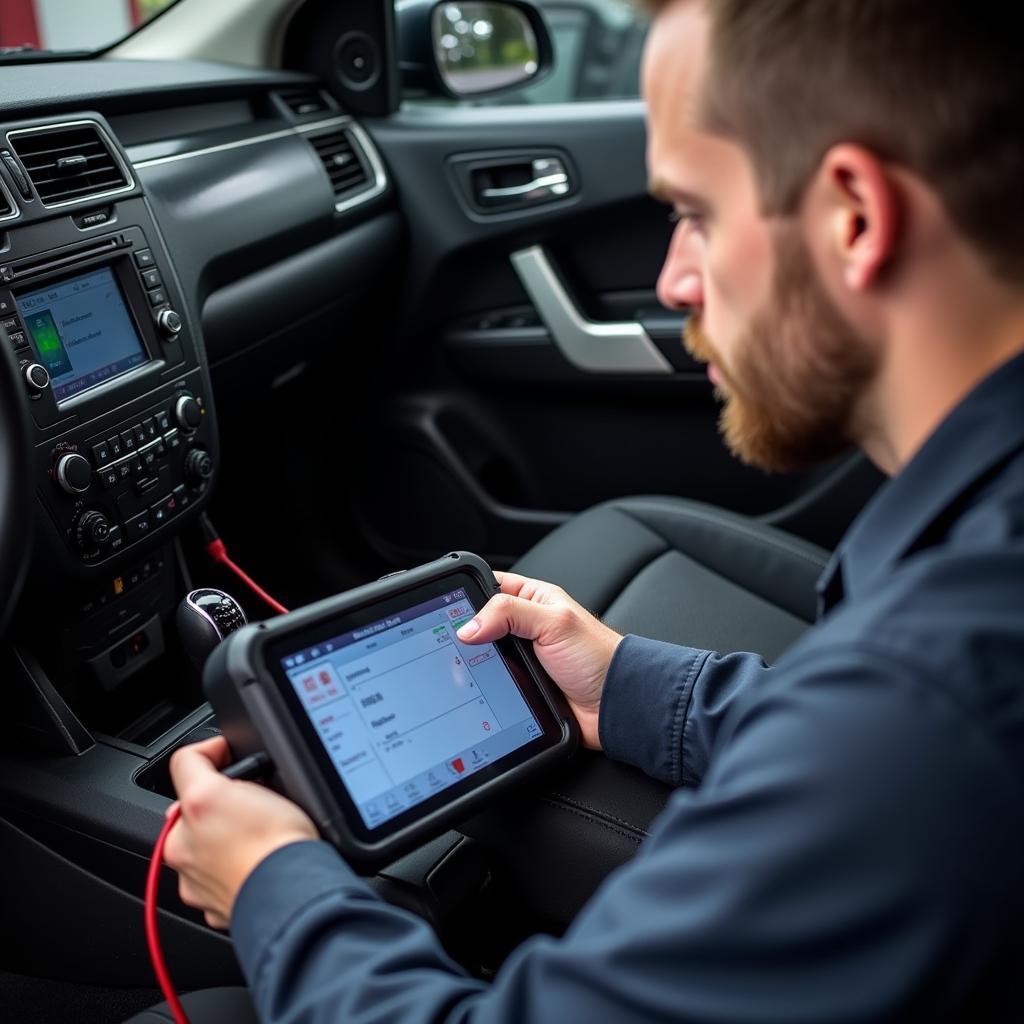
(66, 26)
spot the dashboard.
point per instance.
(139, 249)
(161, 223)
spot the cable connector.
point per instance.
(217, 550)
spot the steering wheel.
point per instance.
(15, 484)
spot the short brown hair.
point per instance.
(934, 85)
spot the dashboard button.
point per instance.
(181, 497)
(139, 432)
(172, 439)
(151, 279)
(73, 473)
(163, 421)
(10, 323)
(115, 538)
(108, 477)
(128, 440)
(36, 376)
(149, 426)
(138, 526)
(93, 219)
(157, 297)
(144, 258)
(124, 469)
(114, 444)
(101, 453)
(17, 339)
(158, 513)
(170, 323)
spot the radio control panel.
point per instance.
(106, 490)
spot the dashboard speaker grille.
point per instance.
(342, 160)
(68, 162)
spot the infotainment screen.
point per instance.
(82, 331)
(405, 711)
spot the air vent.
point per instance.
(69, 162)
(304, 102)
(340, 156)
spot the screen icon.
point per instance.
(457, 765)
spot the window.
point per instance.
(71, 25)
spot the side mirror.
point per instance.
(477, 48)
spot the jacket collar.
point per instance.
(982, 431)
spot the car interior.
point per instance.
(355, 312)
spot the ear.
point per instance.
(862, 208)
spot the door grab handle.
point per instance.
(592, 347)
(549, 179)
(551, 184)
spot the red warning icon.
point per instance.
(458, 765)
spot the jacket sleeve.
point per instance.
(835, 864)
(663, 705)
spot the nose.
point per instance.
(680, 285)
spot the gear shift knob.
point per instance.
(204, 618)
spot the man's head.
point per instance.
(833, 163)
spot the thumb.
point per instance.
(505, 614)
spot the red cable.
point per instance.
(152, 938)
(219, 553)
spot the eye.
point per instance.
(687, 217)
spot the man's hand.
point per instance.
(574, 646)
(226, 828)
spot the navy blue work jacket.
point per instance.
(846, 842)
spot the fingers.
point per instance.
(216, 749)
(510, 582)
(505, 614)
(197, 761)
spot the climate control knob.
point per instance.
(37, 377)
(198, 466)
(189, 413)
(170, 323)
(92, 531)
(73, 473)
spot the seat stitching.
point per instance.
(727, 524)
(597, 820)
(595, 811)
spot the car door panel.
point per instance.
(501, 427)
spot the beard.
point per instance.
(799, 372)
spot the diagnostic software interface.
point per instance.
(404, 710)
(82, 331)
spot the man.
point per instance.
(845, 844)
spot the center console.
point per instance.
(124, 438)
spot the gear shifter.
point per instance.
(205, 617)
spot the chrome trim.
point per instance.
(10, 199)
(209, 618)
(114, 152)
(592, 347)
(222, 148)
(380, 179)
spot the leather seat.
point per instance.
(685, 572)
(660, 567)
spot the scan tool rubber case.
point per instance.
(383, 726)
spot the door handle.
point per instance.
(550, 179)
(593, 347)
